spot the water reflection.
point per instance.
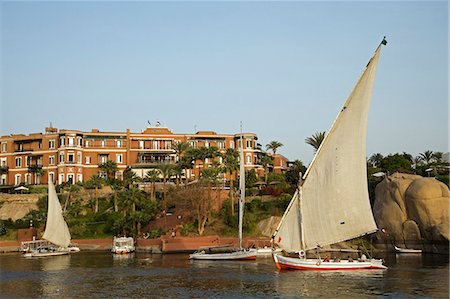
(100, 274)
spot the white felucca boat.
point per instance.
(332, 204)
(123, 245)
(56, 235)
(226, 252)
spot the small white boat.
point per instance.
(331, 203)
(56, 238)
(123, 245)
(406, 250)
(224, 253)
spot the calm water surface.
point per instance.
(102, 275)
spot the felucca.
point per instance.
(226, 252)
(331, 203)
(56, 235)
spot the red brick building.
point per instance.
(74, 156)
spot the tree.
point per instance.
(293, 174)
(273, 146)
(166, 171)
(376, 159)
(426, 157)
(152, 176)
(265, 162)
(181, 149)
(231, 162)
(110, 168)
(397, 162)
(316, 140)
(95, 182)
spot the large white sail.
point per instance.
(56, 229)
(334, 201)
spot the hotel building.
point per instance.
(70, 156)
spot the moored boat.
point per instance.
(56, 238)
(123, 245)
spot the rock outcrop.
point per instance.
(413, 210)
(16, 206)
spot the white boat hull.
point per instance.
(267, 251)
(247, 254)
(284, 262)
(45, 254)
(406, 250)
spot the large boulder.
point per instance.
(413, 211)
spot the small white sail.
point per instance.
(56, 229)
(334, 201)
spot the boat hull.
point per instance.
(290, 263)
(235, 255)
(407, 250)
(45, 254)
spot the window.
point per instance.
(79, 141)
(51, 176)
(17, 179)
(119, 158)
(70, 158)
(141, 144)
(79, 177)
(28, 179)
(168, 144)
(119, 143)
(103, 159)
(155, 144)
(206, 143)
(79, 158)
(3, 161)
(249, 143)
(61, 141)
(86, 143)
(87, 159)
(103, 143)
(27, 161)
(220, 160)
(249, 160)
(231, 144)
(19, 162)
(4, 144)
(239, 143)
(3, 180)
(221, 144)
(51, 160)
(61, 158)
(71, 141)
(51, 144)
(39, 144)
(193, 144)
(61, 179)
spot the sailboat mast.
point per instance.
(300, 223)
(241, 188)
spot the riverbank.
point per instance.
(159, 245)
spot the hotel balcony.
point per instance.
(4, 169)
(34, 168)
(153, 160)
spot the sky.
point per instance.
(282, 68)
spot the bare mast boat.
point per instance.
(56, 235)
(226, 252)
(332, 204)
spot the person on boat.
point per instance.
(326, 259)
(350, 260)
(363, 258)
(336, 259)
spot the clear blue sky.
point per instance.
(283, 68)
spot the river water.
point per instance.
(102, 275)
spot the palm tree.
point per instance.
(231, 162)
(265, 162)
(273, 146)
(426, 156)
(316, 140)
(437, 157)
(376, 159)
(95, 182)
(152, 176)
(110, 168)
(166, 171)
(180, 148)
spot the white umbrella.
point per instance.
(20, 188)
